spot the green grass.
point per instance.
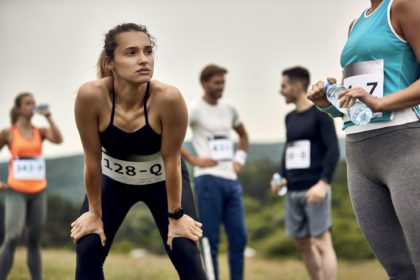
(60, 265)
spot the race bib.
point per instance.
(221, 148)
(298, 154)
(144, 171)
(29, 169)
(368, 75)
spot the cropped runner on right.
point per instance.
(380, 69)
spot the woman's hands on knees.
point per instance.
(184, 227)
(88, 223)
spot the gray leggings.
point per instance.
(383, 168)
(22, 210)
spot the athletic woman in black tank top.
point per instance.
(132, 129)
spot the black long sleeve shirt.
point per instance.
(309, 133)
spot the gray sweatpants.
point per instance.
(383, 169)
(22, 210)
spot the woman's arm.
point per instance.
(174, 119)
(87, 124)
(4, 140)
(52, 133)
(406, 14)
(4, 137)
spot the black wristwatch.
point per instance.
(177, 214)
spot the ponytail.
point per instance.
(101, 70)
(14, 115)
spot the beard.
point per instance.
(216, 94)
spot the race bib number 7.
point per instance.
(368, 75)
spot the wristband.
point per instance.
(177, 214)
(331, 110)
(240, 157)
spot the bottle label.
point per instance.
(221, 148)
(368, 75)
(298, 154)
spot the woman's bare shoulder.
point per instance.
(95, 90)
(5, 132)
(165, 92)
(401, 8)
(5, 135)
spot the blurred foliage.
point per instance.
(264, 218)
(265, 215)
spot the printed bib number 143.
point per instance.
(29, 169)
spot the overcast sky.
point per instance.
(50, 47)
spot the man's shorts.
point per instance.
(307, 220)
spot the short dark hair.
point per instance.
(298, 74)
(210, 71)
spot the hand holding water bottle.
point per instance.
(350, 96)
(43, 109)
(356, 110)
(345, 100)
(278, 184)
(317, 93)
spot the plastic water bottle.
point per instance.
(282, 188)
(40, 108)
(358, 113)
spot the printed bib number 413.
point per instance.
(221, 149)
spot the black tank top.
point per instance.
(144, 141)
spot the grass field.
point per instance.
(60, 265)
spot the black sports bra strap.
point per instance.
(146, 97)
(113, 107)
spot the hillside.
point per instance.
(264, 211)
(65, 174)
(65, 177)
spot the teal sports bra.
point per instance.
(372, 38)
